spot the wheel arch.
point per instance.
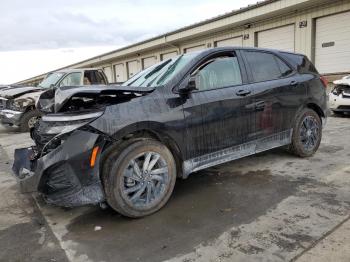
(317, 109)
(152, 131)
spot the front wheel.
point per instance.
(307, 134)
(28, 120)
(140, 179)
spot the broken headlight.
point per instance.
(338, 89)
(65, 123)
(14, 105)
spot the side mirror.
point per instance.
(191, 85)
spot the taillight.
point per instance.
(324, 81)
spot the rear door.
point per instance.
(215, 112)
(276, 94)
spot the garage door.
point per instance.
(168, 55)
(119, 73)
(108, 72)
(149, 61)
(281, 38)
(133, 68)
(332, 50)
(236, 41)
(194, 48)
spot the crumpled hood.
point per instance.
(14, 92)
(53, 101)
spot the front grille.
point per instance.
(346, 95)
(344, 107)
(3, 103)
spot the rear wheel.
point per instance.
(307, 134)
(140, 178)
(28, 120)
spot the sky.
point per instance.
(39, 36)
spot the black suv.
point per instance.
(127, 144)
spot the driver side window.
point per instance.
(221, 72)
(72, 79)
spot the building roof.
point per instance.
(103, 56)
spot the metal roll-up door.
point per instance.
(120, 74)
(332, 44)
(133, 68)
(168, 55)
(194, 48)
(281, 38)
(149, 61)
(235, 41)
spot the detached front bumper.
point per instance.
(64, 176)
(10, 117)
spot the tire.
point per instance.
(305, 143)
(120, 178)
(25, 122)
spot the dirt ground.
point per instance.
(268, 207)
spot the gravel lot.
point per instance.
(268, 207)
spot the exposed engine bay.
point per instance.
(70, 99)
(68, 109)
(341, 89)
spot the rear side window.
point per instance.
(302, 63)
(94, 77)
(266, 66)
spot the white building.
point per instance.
(318, 28)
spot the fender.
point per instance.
(159, 130)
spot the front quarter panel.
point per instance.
(159, 112)
(29, 99)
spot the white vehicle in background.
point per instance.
(18, 103)
(339, 98)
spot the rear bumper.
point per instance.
(64, 176)
(10, 117)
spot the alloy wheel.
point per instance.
(309, 133)
(145, 180)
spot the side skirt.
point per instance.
(237, 152)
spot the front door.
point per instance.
(215, 113)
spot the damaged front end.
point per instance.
(339, 97)
(64, 163)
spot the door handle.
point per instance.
(260, 106)
(294, 83)
(243, 92)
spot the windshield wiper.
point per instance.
(170, 70)
(157, 68)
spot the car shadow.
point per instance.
(5, 129)
(202, 207)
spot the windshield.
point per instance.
(51, 79)
(161, 73)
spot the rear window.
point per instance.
(266, 66)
